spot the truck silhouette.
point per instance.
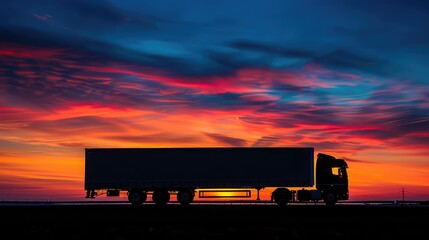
(184, 171)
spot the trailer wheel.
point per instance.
(161, 197)
(185, 196)
(137, 197)
(282, 196)
(330, 198)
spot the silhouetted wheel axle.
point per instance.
(137, 197)
(185, 196)
(330, 198)
(281, 196)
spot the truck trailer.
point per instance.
(183, 171)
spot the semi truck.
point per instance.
(184, 171)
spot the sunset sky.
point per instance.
(349, 78)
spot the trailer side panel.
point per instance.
(216, 167)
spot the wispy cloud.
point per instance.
(227, 141)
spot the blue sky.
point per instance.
(383, 38)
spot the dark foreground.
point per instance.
(214, 222)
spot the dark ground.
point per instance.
(215, 222)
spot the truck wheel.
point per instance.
(161, 197)
(136, 197)
(185, 196)
(330, 198)
(281, 196)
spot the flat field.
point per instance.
(215, 222)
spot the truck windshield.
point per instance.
(337, 171)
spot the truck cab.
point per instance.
(331, 178)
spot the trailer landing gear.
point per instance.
(257, 194)
(90, 194)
